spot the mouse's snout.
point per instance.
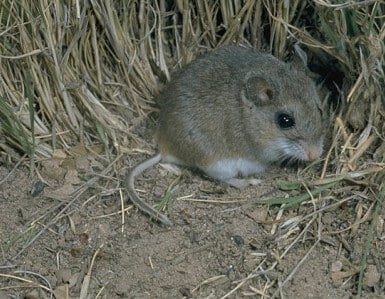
(313, 153)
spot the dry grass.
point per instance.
(87, 71)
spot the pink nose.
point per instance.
(313, 153)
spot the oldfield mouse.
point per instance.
(231, 113)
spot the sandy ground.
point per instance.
(222, 245)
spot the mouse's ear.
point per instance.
(258, 90)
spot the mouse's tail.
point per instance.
(135, 199)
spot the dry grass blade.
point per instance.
(86, 282)
(15, 134)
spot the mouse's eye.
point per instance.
(285, 120)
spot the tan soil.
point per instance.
(212, 247)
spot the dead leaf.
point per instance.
(340, 275)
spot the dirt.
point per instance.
(59, 238)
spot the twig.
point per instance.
(87, 278)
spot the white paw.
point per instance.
(242, 183)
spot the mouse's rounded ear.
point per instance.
(258, 90)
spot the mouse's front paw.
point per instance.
(242, 183)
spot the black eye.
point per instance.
(285, 120)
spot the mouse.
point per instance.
(231, 113)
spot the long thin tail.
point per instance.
(136, 200)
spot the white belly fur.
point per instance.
(233, 168)
(225, 169)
